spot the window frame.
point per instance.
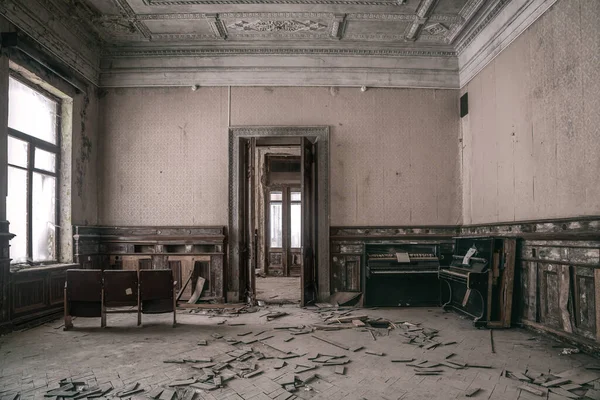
(291, 203)
(33, 144)
(269, 231)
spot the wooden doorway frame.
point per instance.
(237, 279)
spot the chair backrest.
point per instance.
(120, 288)
(84, 285)
(156, 284)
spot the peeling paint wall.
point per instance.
(394, 157)
(84, 173)
(531, 145)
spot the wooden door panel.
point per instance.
(308, 276)
(585, 301)
(549, 295)
(275, 263)
(345, 275)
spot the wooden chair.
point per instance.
(83, 295)
(120, 289)
(157, 292)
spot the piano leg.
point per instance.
(446, 306)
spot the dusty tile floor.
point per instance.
(33, 361)
(278, 289)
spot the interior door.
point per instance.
(251, 226)
(246, 218)
(308, 275)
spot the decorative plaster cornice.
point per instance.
(28, 21)
(276, 15)
(481, 25)
(512, 19)
(381, 16)
(210, 52)
(425, 8)
(242, 2)
(338, 26)
(184, 16)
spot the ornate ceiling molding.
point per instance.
(510, 20)
(217, 26)
(210, 52)
(289, 26)
(467, 12)
(69, 51)
(242, 2)
(482, 24)
(338, 26)
(77, 35)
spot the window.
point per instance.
(33, 156)
(296, 219)
(276, 219)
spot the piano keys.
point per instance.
(479, 280)
(402, 275)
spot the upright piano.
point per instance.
(479, 280)
(404, 274)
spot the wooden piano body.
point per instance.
(481, 285)
(402, 275)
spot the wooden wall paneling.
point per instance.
(532, 304)
(130, 262)
(597, 301)
(584, 302)
(564, 297)
(37, 292)
(353, 273)
(29, 294)
(508, 281)
(56, 288)
(338, 273)
(175, 266)
(549, 295)
(216, 265)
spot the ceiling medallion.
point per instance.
(436, 29)
(277, 26)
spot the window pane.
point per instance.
(44, 217)
(276, 225)
(16, 212)
(277, 196)
(17, 152)
(296, 225)
(45, 160)
(295, 196)
(31, 112)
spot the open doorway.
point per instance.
(278, 219)
(246, 253)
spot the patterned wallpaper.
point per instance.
(531, 138)
(394, 157)
(165, 157)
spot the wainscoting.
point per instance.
(37, 292)
(557, 276)
(557, 273)
(184, 249)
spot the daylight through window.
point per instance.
(33, 156)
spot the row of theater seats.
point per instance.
(93, 293)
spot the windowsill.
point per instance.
(16, 268)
